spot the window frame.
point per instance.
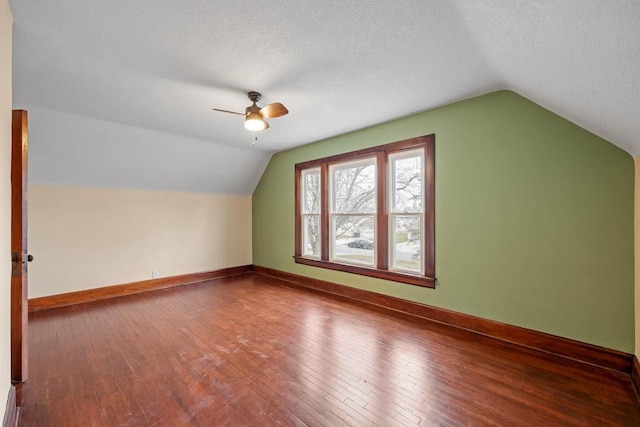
(382, 218)
(336, 166)
(304, 214)
(392, 210)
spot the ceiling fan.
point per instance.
(255, 116)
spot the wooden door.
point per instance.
(19, 254)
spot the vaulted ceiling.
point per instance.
(153, 70)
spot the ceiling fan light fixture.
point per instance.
(254, 116)
(254, 122)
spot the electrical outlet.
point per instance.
(155, 274)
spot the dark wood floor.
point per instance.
(250, 351)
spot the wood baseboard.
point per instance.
(71, 298)
(551, 344)
(635, 375)
(11, 412)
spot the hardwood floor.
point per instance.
(249, 350)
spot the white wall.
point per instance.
(84, 238)
(6, 23)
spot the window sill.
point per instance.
(424, 281)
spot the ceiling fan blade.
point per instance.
(266, 125)
(227, 111)
(273, 110)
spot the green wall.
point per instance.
(534, 218)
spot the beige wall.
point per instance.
(6, 23)
(85, 238)
(637, 257)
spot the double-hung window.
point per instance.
(352, 212)
(311, 212)
(370, 212)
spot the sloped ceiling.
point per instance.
(337, 65)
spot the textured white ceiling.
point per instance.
(337, 65)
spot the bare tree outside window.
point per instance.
(311, 212)
(406, 210)
(353, 208)
(408, 184)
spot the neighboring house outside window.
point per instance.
(370, 212)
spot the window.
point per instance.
(370, 212)
(311, 212)
(352, 213)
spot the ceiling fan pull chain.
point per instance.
(254, 138)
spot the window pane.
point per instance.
(311, 191)
(407, 182)
(354, 187)
(406, 241)
(311, 236)
(354, 238)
